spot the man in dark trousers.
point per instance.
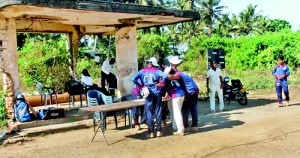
(152, 93)
(109, 74)
(281, 73)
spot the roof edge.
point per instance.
(96, 5)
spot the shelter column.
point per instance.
(74, 38)
(126, 57)
(9, 64)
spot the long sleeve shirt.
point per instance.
(107, 68)
(281, 70)
(150, 78)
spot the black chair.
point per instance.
(74, 88)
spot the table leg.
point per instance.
(101, 125)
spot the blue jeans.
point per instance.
(190, 105)
(135, 113)
(153, 105)
(282, 86)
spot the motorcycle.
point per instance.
(236, 91)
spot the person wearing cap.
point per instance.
(153, 99)
(214, 84)
(190, 104)
(176, 93)
(281, 73)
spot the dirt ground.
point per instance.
(261, 129)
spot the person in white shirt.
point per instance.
(87, 81)
(86, 78)
(214, 79)
(107, 76)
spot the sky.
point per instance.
(288, 10)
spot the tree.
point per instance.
(248, 22)
(152, 45)
(275, 25)
(210, 11)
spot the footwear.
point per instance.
(177, 133)
(221, 110)
(151, 135)
(212, 111)
(159, 134)
(187, 130)
(281, 105)
(287, 103)
(138, 127)
(194, 129)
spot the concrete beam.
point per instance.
(40, 26)
(126, 51)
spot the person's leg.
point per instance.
(150, 112)
(135, 114)
(164, 113)
(220, 95)
(194, 109)
(144, 115)
(185, 113)
(158, 111)
(279, 93)
(177, 105)
(286, 91)
(170, 106)
(212, 96)
(103, 78)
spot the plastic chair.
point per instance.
(109, 100)
(41, 89)
(74, 88)
(94, 98)
(128, 112)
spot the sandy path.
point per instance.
(252, 131)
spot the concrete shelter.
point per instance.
(78, 18)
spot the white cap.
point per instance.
(174, 60)
(153, 60)
(167, 70)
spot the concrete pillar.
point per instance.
(127, 57)
(9, 65)
(74, 38)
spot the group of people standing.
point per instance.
(177, 86)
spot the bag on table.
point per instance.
(51, 113)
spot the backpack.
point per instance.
(21, 111)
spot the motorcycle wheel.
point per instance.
(243, 101)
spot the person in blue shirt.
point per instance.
(176, 93)
(190, 104)
(153, 102)
(281, 73)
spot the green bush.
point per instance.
(44, 58)
(90, 65)
(3, 115)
